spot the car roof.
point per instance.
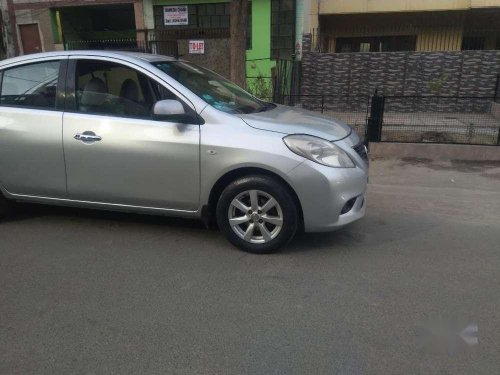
(130, 56)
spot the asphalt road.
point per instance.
(88, 292)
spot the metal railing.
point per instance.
(175, 34)
(158, 47)
(422, 119)
(350, 109)
(126, 44)
(154, 41)
(435, 119)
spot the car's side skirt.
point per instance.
(100, 205)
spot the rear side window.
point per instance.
(32, 85)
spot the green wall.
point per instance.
(259, 63)
(55, 26)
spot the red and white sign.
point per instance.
(175, 15)
(197, 47)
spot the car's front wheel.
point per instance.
(5, 206)
(257, 214)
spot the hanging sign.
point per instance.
(175, 15)
(197, 47)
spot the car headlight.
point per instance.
(318, 150)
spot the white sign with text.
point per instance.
(197, 47)
(175, 15)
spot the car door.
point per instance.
(31, 110)
(115, 151)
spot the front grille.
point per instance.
(360, 149)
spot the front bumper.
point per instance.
(324, 192)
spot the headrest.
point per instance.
(130, 90)
(94, 93)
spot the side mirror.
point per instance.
(168, 107)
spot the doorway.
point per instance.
(30, 38)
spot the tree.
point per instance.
(238, 30)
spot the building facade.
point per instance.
(47, 25)
(403, 25)
(274, 30)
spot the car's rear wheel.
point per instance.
(257, 214)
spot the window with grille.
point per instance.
(376, 44)
(282, 29)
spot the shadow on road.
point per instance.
(26, 211)
(303, 242)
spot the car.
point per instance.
(155, 134)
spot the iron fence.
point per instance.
(175, 34)
(421, 119)
(435, 119)
(158, 47)
(124, 44)
(148, 41)
(350, 109)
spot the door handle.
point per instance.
(87, 137)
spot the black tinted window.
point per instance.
(33, 85)
(112, 89)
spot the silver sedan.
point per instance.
(153, 134)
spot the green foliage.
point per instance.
(261, 87)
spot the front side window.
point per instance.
(32, 86)
(111, 89)
(217, 91)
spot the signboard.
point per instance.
(175, 15)
(197, 47)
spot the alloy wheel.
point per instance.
(255, 216)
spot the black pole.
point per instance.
(497, 89)
(376, 119)
(381, 118)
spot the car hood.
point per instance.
(290, 120)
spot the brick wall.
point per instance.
(464, 73)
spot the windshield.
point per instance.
(217, 91)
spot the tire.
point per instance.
(265, 231)
(5, 206)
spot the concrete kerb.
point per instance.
(389, 150)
